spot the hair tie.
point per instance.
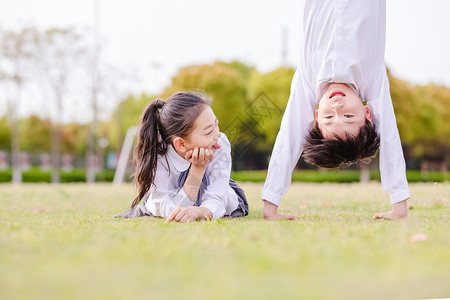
(159, 103)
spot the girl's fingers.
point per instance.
(185, 218)
(201, 154)
(180, 215)
(195, 153)
(172, 215)
(188, 155)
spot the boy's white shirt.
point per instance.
(219, 197)
(343, 42)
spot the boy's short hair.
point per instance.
(336, 153)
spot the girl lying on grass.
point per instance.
(183, 163)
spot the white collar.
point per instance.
(176, 160)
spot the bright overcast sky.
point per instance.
(157, 37)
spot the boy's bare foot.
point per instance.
(270, 212)
(399, 211)
(388, 216)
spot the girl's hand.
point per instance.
(189, 214)
(200, 157)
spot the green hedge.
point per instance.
(76, 175)
(79, 175)
(339, 176)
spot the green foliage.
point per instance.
(269, 93)
(76, 175)
(73, 139)
(35, 135)
(422, 114)
(224, 83)
(5, 134)
(249, 106)
(345, 176)
(126, 115)
(243, 69)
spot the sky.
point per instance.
(153, 39)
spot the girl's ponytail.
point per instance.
(150, 143)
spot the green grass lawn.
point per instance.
(61, 242)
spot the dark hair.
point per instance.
(336, 153)
(160, 121)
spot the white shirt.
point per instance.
(343, 42)
(219, 197)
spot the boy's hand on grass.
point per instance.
(270, 212)
(399, 211)
(189, 214)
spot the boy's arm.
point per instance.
(297, 120)
(392, 162)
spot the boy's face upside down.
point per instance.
(341, 110)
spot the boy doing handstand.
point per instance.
(341, 68)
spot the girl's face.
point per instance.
(340, 111)
(205, 133)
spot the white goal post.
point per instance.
(124, 155)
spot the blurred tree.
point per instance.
(422, 114)
(433, 144)
(5, 134)
(110, 131)
(269, 93)
(439, 98)
(17, 50)
(36, 135)
(246, 71)
(222, 82)
(60, 52)
(123, 113)
(409, 104)
(70, 137)
(126, 115)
